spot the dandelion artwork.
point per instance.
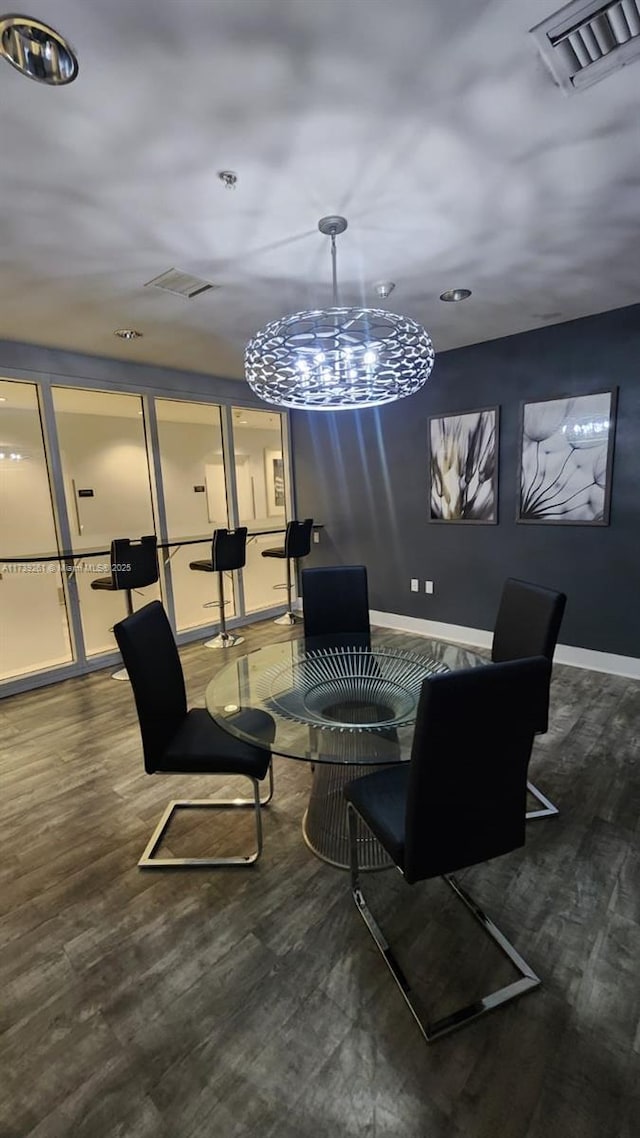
(565, 469)
(463, 467)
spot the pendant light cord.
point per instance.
(334, 270)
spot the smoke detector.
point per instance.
(586, 40)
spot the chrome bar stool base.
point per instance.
(224, 640)
(288, 619)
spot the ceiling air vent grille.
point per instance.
(584, 42)
(182, 284)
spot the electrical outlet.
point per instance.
(316, 537)
(415, 585)
(428, 586)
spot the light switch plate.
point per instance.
(428, 586)
(415, 585)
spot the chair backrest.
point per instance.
(335, 603)
(297, 539)
(151, 658)
(528, 624)
(229, 549)
(466, 798)
(134, 564)
(528, 621)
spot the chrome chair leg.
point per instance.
(548, 806)
(432, 1030)
(267, 800)
(148, 861)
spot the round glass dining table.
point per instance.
(343, 707)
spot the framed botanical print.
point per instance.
(463, 467)
(566, 459)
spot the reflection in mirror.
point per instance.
(34, 626)
(107, 488)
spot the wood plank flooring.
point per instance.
(228, 1003)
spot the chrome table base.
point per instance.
(325, 826)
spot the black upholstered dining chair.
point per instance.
(228, 553)
(459, 801)
(335, 604)
(134, 565)
(297, 544)
(528, 624)
(177, 741)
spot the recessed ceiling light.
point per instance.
(452, 294)
(3, 399)
(37, 51)
(128, 334)
(229, 179)
(383, 289)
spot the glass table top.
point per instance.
(335, 702)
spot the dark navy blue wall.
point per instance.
(364, 475)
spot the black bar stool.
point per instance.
(134, 564)
(297, 544)
(228, 552)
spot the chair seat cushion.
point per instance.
(103, 583)
(200, 746)
(205, 566)
(380, 798)
(274, 553)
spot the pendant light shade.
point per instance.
(338, 358)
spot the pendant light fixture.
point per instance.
(338, 358)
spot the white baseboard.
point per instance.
(480, 638)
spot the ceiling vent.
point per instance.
(585, 41)
(182, 284)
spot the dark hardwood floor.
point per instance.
(251, 1001)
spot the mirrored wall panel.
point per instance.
(81, 467)
(195, 495)
(34, 626)
(107, 488)
(262, 487)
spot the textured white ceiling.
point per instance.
(433, 126)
